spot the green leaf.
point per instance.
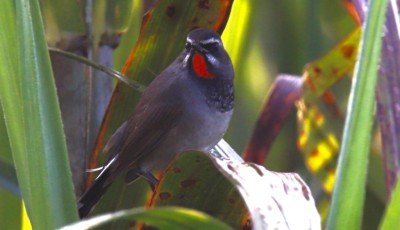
(391, 217)
(10, 210)
(10, 205)
(8, 177)
(32, 116)
(349, 189)
(162, 218)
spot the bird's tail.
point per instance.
(90, 198)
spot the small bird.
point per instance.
(188, 106)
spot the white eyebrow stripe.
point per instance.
(208, 41)
(211, 40)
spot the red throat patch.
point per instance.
(200, 66)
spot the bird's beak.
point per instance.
(197, 47)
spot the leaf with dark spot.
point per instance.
(211, 193)
(321, 74)
(318, 134)
(188, 183)
(165, 195)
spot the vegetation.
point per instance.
(55, 108)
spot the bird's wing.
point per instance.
(147, 129)
(114, 144)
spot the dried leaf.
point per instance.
(275, 200)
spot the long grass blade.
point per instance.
(33, 120)
(349, 189)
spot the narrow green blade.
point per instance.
(349, 190)
(391, 217)
(162, 218)
(32, 116)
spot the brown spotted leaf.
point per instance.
(318, 144)
(194, 182)
(319, 117)
(321, 74)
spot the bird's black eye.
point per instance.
(188, 46)
(211, 47)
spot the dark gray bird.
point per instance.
(188, 106)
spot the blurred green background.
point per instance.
(265, 38)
